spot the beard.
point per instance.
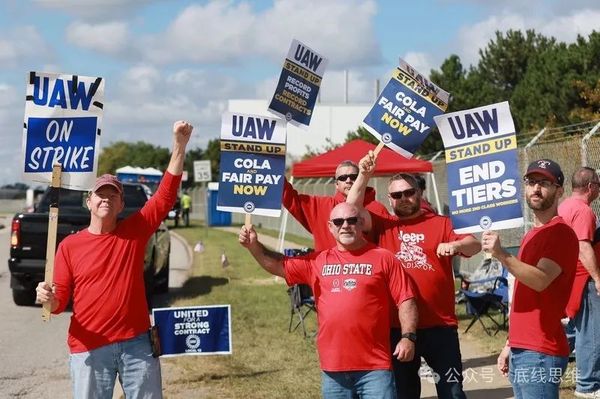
(404, 209)
(544, 204)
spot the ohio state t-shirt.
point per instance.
(535, 316)
(352, 292)
(414, 242)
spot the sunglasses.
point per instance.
(339, 222)
(352, 177)
(542, 182)
(406, 193)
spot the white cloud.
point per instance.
(226, 32)
(110, 37)
(22, 44)
(420, 61)
(94, 9)
(563, 27)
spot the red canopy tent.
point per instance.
(388, 161)
(324, 165)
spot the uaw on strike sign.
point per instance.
(483, 170)
(252, 164)
(63, 115)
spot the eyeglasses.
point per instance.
(352, 177)
(406, 193)
(542, 182)
(339, 222)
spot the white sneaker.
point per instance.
(592, 395)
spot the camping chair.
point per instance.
(484, 295)
(302, 300)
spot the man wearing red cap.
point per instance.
(101, 270)
(582, 307)
(536, 353)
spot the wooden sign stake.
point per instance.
(52, 228)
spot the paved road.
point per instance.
(34, 360)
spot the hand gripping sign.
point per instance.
(483, 171)
(61, 136)
(298, 86)
(252, 164)
(403, 114)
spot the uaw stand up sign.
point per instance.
(252, 164)
(194, 330)
(483, 170)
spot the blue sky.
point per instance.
(168, 60)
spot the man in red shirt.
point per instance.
(312, 211)
(582, 309)
(536, 353)
(425, 243)
(356, 285)
(101, 269)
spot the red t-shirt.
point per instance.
(352, 292)
(104, 275)
(535, 316)
(312, 212)
(414, 242)
(580, 216)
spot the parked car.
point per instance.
(29, 233)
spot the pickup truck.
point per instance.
(29, 233)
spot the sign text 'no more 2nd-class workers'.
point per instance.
(252, 164)
(298, 87)
(62, 122)
(483, 168)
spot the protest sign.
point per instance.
(194, 330)
(63, 116)
(298, 86)
(252, 164)
(483, 171)
(403, 114)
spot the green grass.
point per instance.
(267, 361)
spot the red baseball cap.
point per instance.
(108, 180)
(548, 168)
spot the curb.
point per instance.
(190, 253)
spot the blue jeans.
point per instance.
(93, 373)
(369, 384)
(587, 340)
(535, 375)
(440, 348)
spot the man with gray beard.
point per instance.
(425, 243)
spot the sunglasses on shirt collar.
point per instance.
(406, 193)
(352, 176)
(339, 222)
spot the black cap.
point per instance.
(548, 168)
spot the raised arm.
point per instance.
(182, 132)
(366, 167)
(269, 260)
(537, 278)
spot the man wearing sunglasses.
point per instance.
(354, 283)
(536, 353)
(584, 318)
(425, 243)
(312, 211)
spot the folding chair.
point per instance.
(480, 303)
(302, 300)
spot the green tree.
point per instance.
(140, 154)
(213, 153)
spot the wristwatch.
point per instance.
(411, 336)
